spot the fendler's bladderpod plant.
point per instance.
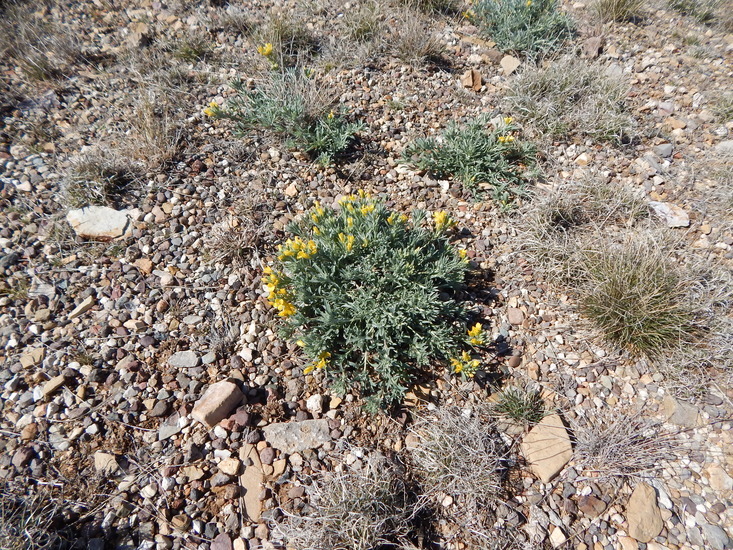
(369, 294)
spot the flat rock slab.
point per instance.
(100, 223)
(218, 401)
(184, 360)
(547, 448)
(294, 437)
(672, 214)
(105, 463)
(643, 513)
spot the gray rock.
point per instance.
(295, 437)
(725, 147)
(183, 360)
(664, 150)
(717, 538)
(680, 413)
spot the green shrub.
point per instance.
(524, 26)
(293, 108)
(479, 155)
(370, 296)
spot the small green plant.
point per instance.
(294, 109)
(571, 96)
(433, 6)
(370, 296)
(618, 10)
(192, 48)
(479, 154)
(702, 10)
(528, 27)
(636, 298)
(723, 108)
(522, 404)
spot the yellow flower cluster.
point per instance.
(212, 109)
(465, 364)
(463, 254)
(297, 248)
(394, 217)
(276, 295)
(506, 139)
(475, 335)
(318, 212)
(265, 50)
(443, 220)
(347, 241)
(360, 194)
(322, 362)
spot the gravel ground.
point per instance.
(109, 348)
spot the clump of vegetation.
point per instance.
(97, 177)
(365, 23)
(192, 48)
(29, 521)
(636, 297)
(609, 444)
(522, 404)
(618, 10)
(701, 10)
(529, 27)
(359, 510)
(723, 108)
(295, 109)
(433, 6)
(481, 155)
(557, 223)
(289, 42)
(572, 96)
(370, 296)
(413, 40)
(460, 455)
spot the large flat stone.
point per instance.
(294, 437)
(547, 448)
(100, 223)
(643, 513)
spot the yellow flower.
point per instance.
(209, 111)
(462, 253)
(349, 222)
(318, 212)
(392, 218)
(442, 220)
(316, 231)
(322, 362)
(507, 120)
(300, 343)
(476, 335)
(465, 365)
(265, 50)
(366, 209)
(347, 241)
(284, 307)
(529, 3)
(330, 116)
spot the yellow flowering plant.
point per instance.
(370, 296)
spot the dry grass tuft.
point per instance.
(293, 44)
(618, 10)
(636, 297)
(461, 456)
(41, 48)
(571, 96)
(28, 521)
(356, 510)
(558, 222)
(97, 177)
(609, 444)
(412, 40)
